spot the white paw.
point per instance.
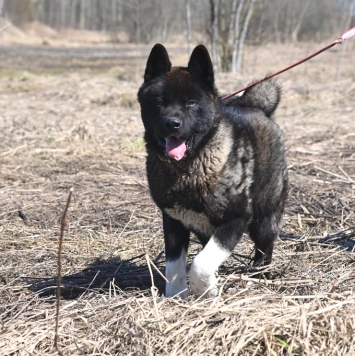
(204, 267)
(202, 283)
(176, 274)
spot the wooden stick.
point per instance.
(63, 225)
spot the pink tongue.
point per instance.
(175, 148)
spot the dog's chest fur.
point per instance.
(209, 187)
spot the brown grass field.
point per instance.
(69, 118)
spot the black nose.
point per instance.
(172, 124)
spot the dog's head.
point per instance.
(178, 104)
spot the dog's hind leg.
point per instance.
(176, 238)
(264, 231)
(204, 267)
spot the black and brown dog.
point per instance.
(215, 168)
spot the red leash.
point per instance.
(346, 35)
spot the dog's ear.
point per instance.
(158, 63)
(200, 65)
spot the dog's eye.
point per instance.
(191, 103)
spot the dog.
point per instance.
(215, 168)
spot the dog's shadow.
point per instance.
(136, 274)
(103, 276)
(112, 275)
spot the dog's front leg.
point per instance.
(204, 267)
(176, 238)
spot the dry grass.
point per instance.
(83, 130)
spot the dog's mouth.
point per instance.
(175, 148)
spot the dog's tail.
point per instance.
(264, 96)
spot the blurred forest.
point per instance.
(224, 25)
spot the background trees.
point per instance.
(225, 25)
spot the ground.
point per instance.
(69, 118)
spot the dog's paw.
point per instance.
(177, 290)
(204, 267)
(175, 273)
(202, 282)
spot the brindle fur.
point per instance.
(233, 177)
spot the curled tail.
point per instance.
(264, 96)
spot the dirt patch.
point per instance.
(62, 126)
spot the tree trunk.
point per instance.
(237, 38)
(259, 31)
(216, 57)
(138, 21)
(82, 14)
(203, 20)
(232, 22)
(53, 6)
(243, 36)
(188, 26)
(73, 12)
(119, 14)
(113, 21)
(62, 21)
(222, 17)
(165, 20)
(296, 29)
(230, 37)
(276, 25)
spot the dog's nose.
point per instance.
(172, 124)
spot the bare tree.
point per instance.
(216, 56)
(138, 21)
(237, 59)
(236, 37)
(224, 25)
(228, 36)
(203, 23)
(299, 20)
(188, 26)
(232, 32)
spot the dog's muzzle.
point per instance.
(172, 125)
